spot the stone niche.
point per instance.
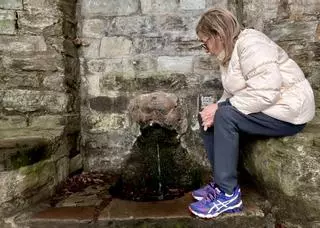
(159, 167)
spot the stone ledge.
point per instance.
(287, 169)
(8, 135)
(25, 146)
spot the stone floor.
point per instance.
(94, 207)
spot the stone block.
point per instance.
(94, 28)
(159, 6)
(92, 83)
(25, 180)
(91, 48)
(13, 78)
(100, 123)
(132, 26)
(36, 62)
(110, 139)
(46, 122)
(185, 45)
(99, 65)
(115, 47)
(174, 23)
(29, 101)
(293, 30)
(34, 183)
(109, 8)
(179, 28)
(39, 4)
(11, 4)
(54, 82)
(122, 67)
(109, 104)
(192, 4)
(35, 21)
(256, 13)
(23, 44)
(152, 45)
(101, 161)
(206, 64)
(302, 9)
(207, 68)
(175, 64)
(81, 199)
(146, 82)
(7, 22)
(12, 122)
(144, 65)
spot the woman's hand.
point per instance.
(207, 115)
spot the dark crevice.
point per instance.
(16, 25)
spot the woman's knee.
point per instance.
(224, 113)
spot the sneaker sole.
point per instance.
(235, 209)
(198, 198)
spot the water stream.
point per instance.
(160, 192)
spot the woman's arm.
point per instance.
(259, 66)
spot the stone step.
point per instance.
(89, 211)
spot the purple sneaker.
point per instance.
(203, 192)
(214, 205)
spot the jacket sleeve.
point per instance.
(259, 67)
(224, 96)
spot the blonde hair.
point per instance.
(220, 22)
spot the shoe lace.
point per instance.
(210, 186)
(211, 196)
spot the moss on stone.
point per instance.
(28, 155)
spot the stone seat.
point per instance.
(287, 169)
(32, 163)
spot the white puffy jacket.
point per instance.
(261, 77)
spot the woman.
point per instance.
(265, 93)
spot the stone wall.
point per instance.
(128, 48)
(141, 46)
(134, 47)
(39, 102)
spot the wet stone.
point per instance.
(80, 200)
(91, 196)
(175, 213)
(109, 104)
(66, 213)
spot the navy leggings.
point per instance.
(221, 141)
